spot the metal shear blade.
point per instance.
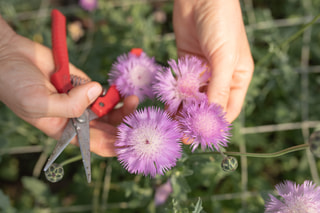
(80, 127)
(83, 132)
(67, 135)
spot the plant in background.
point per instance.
(134, 75)
(304, 198)
(120, 26)
(181, 82)
(148, 142)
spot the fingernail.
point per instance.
(94, 92)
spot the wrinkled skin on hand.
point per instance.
(214, 31)
(25, 70)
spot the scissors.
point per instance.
(62, 81)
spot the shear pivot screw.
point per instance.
(81, 119)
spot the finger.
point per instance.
(233, 110)
(75, 102)
(102, 143)
(130, 104)
(102, 138)
(186, 140)
(220, 82)
(239, 88)
(51, 126)
(97, 124)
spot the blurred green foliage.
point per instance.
(279, 93)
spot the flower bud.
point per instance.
(54, 173)
(229, 164)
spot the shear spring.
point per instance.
(77, 81)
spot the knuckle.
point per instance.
(28, 107)
(222, 93)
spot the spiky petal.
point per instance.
(181, 82)
(148, 142)
(204, 124)
(134, 75)
(304, 198)
(89, 5)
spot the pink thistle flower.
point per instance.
(204, 124)
(181, 82)
(304, 198)
(134, 75)
(162, 193)
(88, 5)
(148, 142)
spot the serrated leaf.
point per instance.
(198, 208)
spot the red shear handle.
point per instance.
(61, 78)
(103, 105)
(136, 51)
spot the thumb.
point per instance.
(74, 103)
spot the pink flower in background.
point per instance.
(304, 198)
(204, 124)
(89, 5)
(148, 142)
(181, 82)
(134, 75)
(162, 193)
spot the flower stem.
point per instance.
(71, 160)
(261, 155)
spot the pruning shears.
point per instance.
(62, 81)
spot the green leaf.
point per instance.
(180, 188)
(9, 169)
(38, 189)
(198, 208)
(5, 204)
(4, 200)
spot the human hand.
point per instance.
(214, 31)
(25, 70)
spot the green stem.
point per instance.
(247, 154)
(285, 43)
(261, 155)
(71, 160)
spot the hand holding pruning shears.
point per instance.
(25, 87)
(61, 79)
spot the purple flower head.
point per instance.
(148, 142)
(190, 75)
(162, 193)
(204, 124)
(88, 5)
(304, 198)
(134, 75)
